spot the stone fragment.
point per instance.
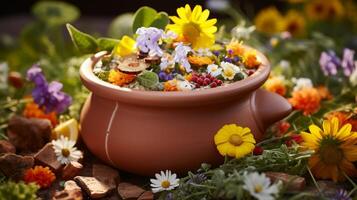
(71, 170)
(46, 156)
(129, 191)
(148, 195)
(14, 166)
(29, 135)
(93, 187)
(293, 182)
(6, 147)
(71, 185)
(105, 174)
(68, 195)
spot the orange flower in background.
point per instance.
(324, 92)
(344, 118)
(32, 110)
(236, 47)
(250, 59)
(170, 85)
(276, 84)
(119, 78)
(307, 100)
(42, 176)
(199, 61)
(294, 23)
(322, 9)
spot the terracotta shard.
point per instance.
(46, 156)
(129, 191)
(93, 187)
(14, 166)
(71, 170)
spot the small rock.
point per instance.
(129, 191)
(294, 183)
(6, 147)
(105, 174)
(14, 166)
(148, 195)
(68, 195)
(46, 156)
(29, 135)
(93, 187)
(71, 170)
(71, 185)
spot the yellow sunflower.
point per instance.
(269, 21)
(193, 27)
(322, 9)
(335, 150)
(234, 141)
(125, 47)
(294, 23)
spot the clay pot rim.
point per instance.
(177, 98)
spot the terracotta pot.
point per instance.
(144, 132)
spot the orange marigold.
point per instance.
(276, 84)
(344, 118)
(42, 176)
(324, 92)
(307, 100)
(170, 85)
(32, 110)
(236, 47)
(199, 61)
(119, 78)
(250, 59)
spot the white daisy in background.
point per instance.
(259, 186)
(229, 70)
(65, 150)
(164, 181)
(302, 83)
(214, 70)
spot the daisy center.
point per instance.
(165, 184)
(331, 155)
(229, 72)
(65, 152)
(236, 140)
(258, 188)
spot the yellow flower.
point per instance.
(269, 21)
(322, 9)
(276, 84)
(335, 150)
(250, 59)
(234, 141)
(200, 61)
(236, 47)
(125, 47)
(193, 27)
(294, 23)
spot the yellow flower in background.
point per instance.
(193, 26)
(322, 9)
(294, 23)
(276, 84)
(296, 1)
(269, 21)
(234, 141)
(125, 47)
(335, 150)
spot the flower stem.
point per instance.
(314, 180)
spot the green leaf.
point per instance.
(55, 13)
(106, 44)
(148, 79)
(148, 17)
(83, 41)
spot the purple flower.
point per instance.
(329, 63)
(47, 95)
(163, 76)
(348, 62)
(180, 57)
(341, 195)
(148, 40)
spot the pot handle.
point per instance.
(269, 108)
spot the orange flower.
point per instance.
(276, 84)
(344, 118)
(199, 61)
(236, 48)
(250, 59)
(170, 85)
(307, 100)
(324, 92)
(32, 110)
(119, 78)
(42, 176)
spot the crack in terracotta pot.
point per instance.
(108, 132)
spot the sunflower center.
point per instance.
(191, 31)
(236, 140)
(258, 188)
(331, 154)
(65, 152)
(165, 184)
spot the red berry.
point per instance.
(219, 82)
(200, 81)
(207, 80)
(208, 76)
(213, 78)
(205, 83)
(194, 78)
(258, 150)
(197, 85)
(213, 84)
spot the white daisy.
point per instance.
(184, 85)
(229, 70)
(214, 70)
(164, 181)
(302, 83)
(259, 186)
(65, 150)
